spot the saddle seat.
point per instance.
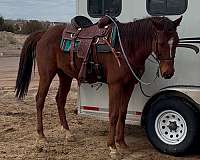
(84, 22)
(81, 22)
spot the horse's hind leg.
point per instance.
(43, 88)
(64, 88)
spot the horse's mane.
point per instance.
(140, 33)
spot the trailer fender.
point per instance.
(168, 93)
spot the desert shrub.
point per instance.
(7, 38)
(1, 21)
(5, 26)
(32, 26)
(23, 28)
(8, 28)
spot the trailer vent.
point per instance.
(99, 8)
(166, 7)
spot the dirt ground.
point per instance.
(18, 126)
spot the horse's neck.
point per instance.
(138, 55)
(139, 58)
(137, 49)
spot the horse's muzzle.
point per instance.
(167, 76)
(168, 73)
(167, 69)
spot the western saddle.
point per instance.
(85, 39)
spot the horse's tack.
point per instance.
(81, 22)
(85, 41)
(86, 36)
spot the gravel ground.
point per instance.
(18, 127)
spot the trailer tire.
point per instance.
(172, 125)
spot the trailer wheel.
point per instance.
(172, 125)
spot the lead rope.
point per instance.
(125, 57)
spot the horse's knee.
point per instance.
(122, 117)
(39, 103)
(60, 100)
(113, 120)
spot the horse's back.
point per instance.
(53, 34)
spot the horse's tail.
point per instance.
(26, 63)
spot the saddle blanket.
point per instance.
(65, 44)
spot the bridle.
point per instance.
(159, 57)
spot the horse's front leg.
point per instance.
(127, 91)
(115, 101)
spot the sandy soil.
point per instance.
(11, 44)
(18, 122)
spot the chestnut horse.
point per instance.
(139, 39)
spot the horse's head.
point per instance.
(164, 44)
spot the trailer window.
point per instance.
(166, 7)
(99, 8)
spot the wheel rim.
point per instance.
(170, 127)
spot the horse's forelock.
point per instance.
(167, 24)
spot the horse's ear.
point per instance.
(177, 21)
(157, 25)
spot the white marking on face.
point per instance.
(170, 42)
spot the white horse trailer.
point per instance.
(171, 112)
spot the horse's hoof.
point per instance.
(70, 137)
(41, 140)
(114, 154)
(41, 143)
(123, 148)
(124, 151)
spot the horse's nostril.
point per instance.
(168, 76)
